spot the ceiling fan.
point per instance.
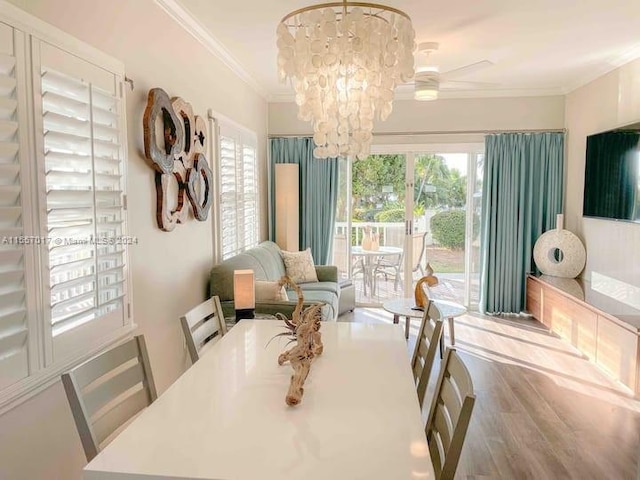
(428, 81)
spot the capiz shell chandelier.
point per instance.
(344, 60)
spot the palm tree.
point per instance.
(431, 170)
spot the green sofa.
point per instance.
(267, 264)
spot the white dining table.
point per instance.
(225, 418)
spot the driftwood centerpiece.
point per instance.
(304, 328)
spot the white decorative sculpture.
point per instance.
(559, 252)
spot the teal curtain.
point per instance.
(318, 193)
(522, 192)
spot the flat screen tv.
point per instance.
(612, 175)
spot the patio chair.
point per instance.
(393, 266)
(389, 266)
(419, 249)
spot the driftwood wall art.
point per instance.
(174, 146)
(304, 327)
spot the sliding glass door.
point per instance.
(448, 196)
(403, 212)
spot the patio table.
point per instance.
(369, 258)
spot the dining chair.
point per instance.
(201, 325)
(425, 349)
(449, 415)
(108, 390)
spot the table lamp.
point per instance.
(244, 293)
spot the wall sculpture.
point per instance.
(174, 146)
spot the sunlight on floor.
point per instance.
(503, 340)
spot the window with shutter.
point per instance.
(63, 243)
(84, 198)
(239, 217)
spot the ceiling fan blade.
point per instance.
(467, 69)
(461, 84)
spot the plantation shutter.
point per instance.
(239, 218)
(14, 325)
(84, 218)
(249, 198)
(228, 196)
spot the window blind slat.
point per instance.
(9, 216)
(8, 128)
(7, 108)
(8, 151)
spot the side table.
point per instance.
(404, 307)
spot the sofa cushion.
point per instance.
(267, 290)
(267, 254)
(299, 266)
(330, 310)
(332, 287)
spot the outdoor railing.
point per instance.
(391, 233)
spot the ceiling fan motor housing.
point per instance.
(428, 80)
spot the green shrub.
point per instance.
(393, 215)
(447, 228)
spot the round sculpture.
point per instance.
(559, 253)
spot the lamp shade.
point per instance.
(244, 292)
(287, 210)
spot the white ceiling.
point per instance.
(538, 47)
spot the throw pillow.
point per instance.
(269, 291)
(299, 266)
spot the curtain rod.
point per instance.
(439, 132)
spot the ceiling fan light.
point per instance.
(425, 94)
(427, 85)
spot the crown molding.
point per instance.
(187, 21)
(406, 93)
(618, 61)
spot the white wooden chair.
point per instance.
(202, 325)
(425, 349)
(449, 415)
(107, 390)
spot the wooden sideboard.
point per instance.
(606, 331)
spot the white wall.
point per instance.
(613, 100)
(444, 115)
(38, 439)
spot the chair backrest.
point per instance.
(449, 415)
(202, 325)
(107, 390)
(419, 246)
(425, 349)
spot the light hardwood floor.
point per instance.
(543, 411)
